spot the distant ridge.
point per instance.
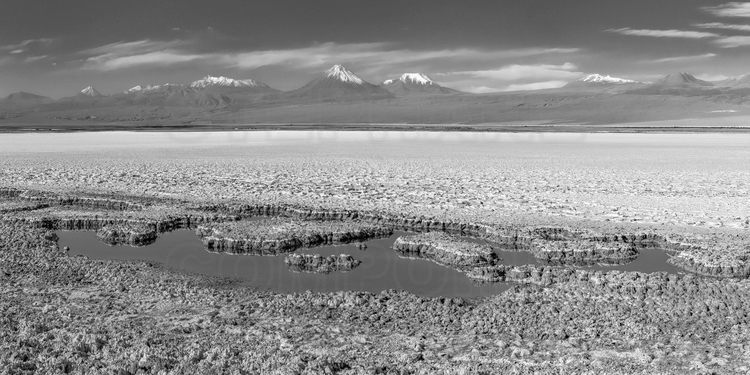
(681, 80)
(601, 83)
(24, 99)
(338, 84)
(339, 95)
(739, 82)
(221, 81)
(678, 84)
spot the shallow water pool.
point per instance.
(382, 268)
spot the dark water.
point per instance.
(381, 266)
(648, 260)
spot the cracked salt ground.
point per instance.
(381, 269)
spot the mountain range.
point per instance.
(338, 95)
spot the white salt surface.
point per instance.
(698, 180)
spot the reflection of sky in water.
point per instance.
(381, 266)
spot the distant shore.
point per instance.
(501, 128)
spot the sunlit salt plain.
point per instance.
(697, 180)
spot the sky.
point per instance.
(56, 48)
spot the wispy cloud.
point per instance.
(123, 55)
(723, 41)
(517, 72)
(733, 41)
(132, 47)
(513, 77)
(22, 46)
(712, 77)
(724, 26)
(536, 86)
(687, 34)
(732, 9)
(33, 59)
(371, 59)
(683, 58)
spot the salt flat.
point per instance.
(698, 180)
(688, 191)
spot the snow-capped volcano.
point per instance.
(414, 78)
(598, 78)
(337, 84)
(221, 81)
(340, 73)
(90, 91)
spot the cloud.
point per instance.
(725, 26)
(481, 89)
(733, 41)
(687, 34)
(122, 55)
(712, 77)
(162, 58)
(33, 59)
(517, 72)
(536, 86)
(732, 9)
(22, 46)
(513, 77)
(132, 47)
(371, 59)
(371, 56)
(683, 58)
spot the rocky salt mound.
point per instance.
(584, 251)
(276, 235)
(127, 234)
(713, 254)
(446, 250)
(316, 263)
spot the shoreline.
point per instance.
(480, 128)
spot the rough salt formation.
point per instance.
(68, 314)
(16, 206)
(486, 183)
(315, 263)
(584, 251)
(723, 253)
(72, 314)
(134, 235)
(446, 250)
(105, 201)
(275, 235)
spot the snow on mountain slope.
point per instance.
(221, 81)
(340, 73)
(417, 78)
(90, 91)
(151, 88)
(598, 78)
(415, 84)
